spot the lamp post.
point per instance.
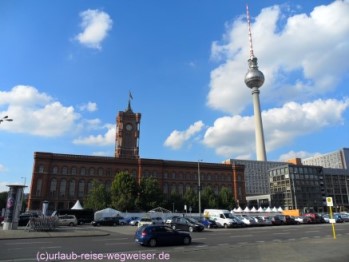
(199, 188)
(5, 118)
(294, 191)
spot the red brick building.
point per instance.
(61, 179)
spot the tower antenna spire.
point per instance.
(249, 33)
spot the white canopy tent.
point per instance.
(253, 209)
(77, 205)
(107, 212)
(246, 209)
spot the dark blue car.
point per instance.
(153, 235)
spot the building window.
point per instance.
(100, 171)
(38, 187)
(83, 171)
(180, 189)
(41, 169)
(73, 171)
(64, 170)
(89, 186)
(81, 191)
(72, 188)
(62, 188)
(53, 187)
(92, 171)
(55, 170)
(165, 188)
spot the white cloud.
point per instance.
(90, 107)
(177, 138)
(95, 25)
(300, 61)
(99, 140)
(234, 136)
(36, 113)
(293, 154)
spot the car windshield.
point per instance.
(192, 220)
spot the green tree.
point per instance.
(191, 199)
(226, 199)
(124, 192)
(208, 198)
(98, 198)
(3, 200)
(150, 194)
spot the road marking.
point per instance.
(280, 233)
(314, 231)
(276, 240)
(260, 241)
(110, 239)
(242, 236)
(54, 247)
(199, 238)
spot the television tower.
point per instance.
(254, 79)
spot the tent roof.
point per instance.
(160, 209)
(77, 205)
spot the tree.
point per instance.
(124, 192)
(150, 194)
(3, 200)
(208, 198)
(191, 199)
(98, 198)
(226, 199)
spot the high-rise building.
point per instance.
(254, 79)
(337, 159)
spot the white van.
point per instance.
(221, 216)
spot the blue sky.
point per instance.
(67, 68)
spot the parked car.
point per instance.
(106, 221)
(345, 217)
(150, 221)
(285, 219)
(336, 217)
(246, 221)
(67, 220)
(153, 235)
(302, 220)
(134, 222)
(315, 218)
(169, 219)
(25, 217)
(129, 219)
(208, 223)
(187, 224)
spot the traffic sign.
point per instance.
(329, 201)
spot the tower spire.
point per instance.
(254, 79)
(249, 33)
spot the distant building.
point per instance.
(337, 159)
(305, 187)
(62, 179)
(256, 175)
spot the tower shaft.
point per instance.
(260, 145)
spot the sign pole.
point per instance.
(329, 203)
(333, 230)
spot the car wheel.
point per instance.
(225, 226)
(208, 226)
(191, 229)
(174, 227)
(136, 224)
(71, 224)
(152, 242)
(114, 224)
(186, 241)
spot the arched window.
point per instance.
(53, 187)
(92, 171)
(55, 170)
(38, 187)
(41, 169)
(73, 170)
(89, 186)
(72, 188)
(100, 171)
(81, 191)
(64, 170)
(83, 171)
(62, 188)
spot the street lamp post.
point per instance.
(5, 118)
(199, 187)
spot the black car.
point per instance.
(187, 224)
(24, 218)
(285, 220)
(106, 221)
(153, 235)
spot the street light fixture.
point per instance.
(5, 118)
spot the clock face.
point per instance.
(128, 127)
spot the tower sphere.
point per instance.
(254, 77)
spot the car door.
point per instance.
(182, 224)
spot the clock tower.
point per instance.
(127, 135)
